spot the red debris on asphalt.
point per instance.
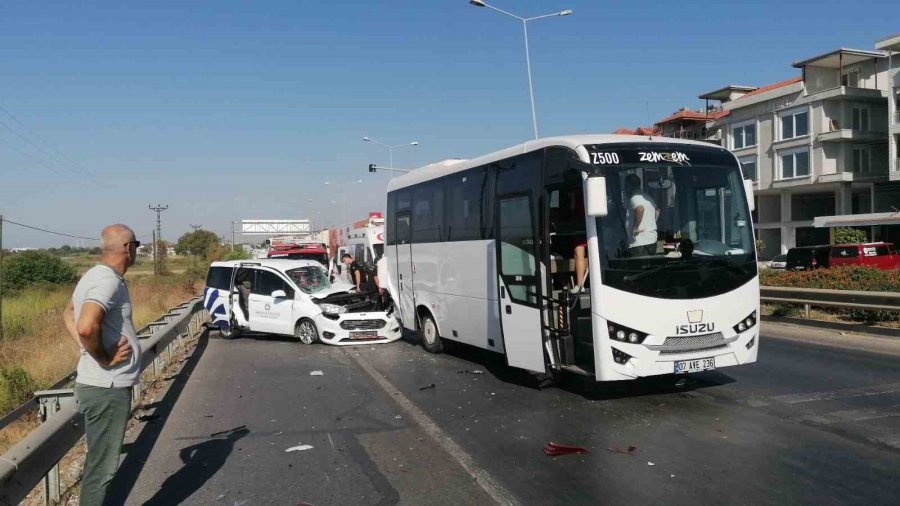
(553, 449)
(629, 451)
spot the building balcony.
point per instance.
(848, 93)
(847, 134)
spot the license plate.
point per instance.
(700, 364)
(363, 335)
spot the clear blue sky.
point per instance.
(229, 110)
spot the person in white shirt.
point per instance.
(641, 218)
(98, 319)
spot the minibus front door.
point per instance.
(519, 282)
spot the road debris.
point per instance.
(428, 387)
(470, 371)
(650, 464)
(222, 496)
(629, 451)
(239, 428)
(552, 449)
(147, 418)
(316, 373)
(299, 448)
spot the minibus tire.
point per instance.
(429, 332)
(305, 331)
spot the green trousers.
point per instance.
(106, 412)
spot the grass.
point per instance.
(37, 351)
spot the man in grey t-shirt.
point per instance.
(99, 320)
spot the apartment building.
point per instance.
(823, 148)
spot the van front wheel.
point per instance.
(305, 330)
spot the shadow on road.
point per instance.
(201, 461)
(587, 387)
(138, 451)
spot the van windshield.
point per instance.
(310, 279)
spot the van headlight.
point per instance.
(746, 324)
(625, 334)
(332, 308)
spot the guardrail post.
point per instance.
(806, 310)
(49, 404)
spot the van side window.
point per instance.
(267, 282)
(844, 252)
(219, 277)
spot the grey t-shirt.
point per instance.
(105, 287)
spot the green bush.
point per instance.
(847, 235)
(851, 277)
(238, 254)
(36, 268)
(16, 386)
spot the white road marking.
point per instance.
(482, 477)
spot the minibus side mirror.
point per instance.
(279, 294)
(595, 197)
(748, 189)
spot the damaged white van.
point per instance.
(294, 298)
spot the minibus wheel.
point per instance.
(305, 330)
(431, 339)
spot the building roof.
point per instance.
(725, 93)
(838, 57)
(770, 87)
(624, 131)
(889, 43)
(688, 115)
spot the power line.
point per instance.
(33, 145)
(49, 231)
(44, 142)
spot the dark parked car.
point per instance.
(806, 258)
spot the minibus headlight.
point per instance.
(332, 308)
(625, 334)
(746, 324)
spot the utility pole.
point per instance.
(157, 264)
(1, 277)
(232, 236)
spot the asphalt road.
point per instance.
(807, 424)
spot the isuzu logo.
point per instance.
(695, 325)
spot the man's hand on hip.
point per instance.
(119, 353)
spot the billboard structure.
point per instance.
(276, 227)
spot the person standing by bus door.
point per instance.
(641, 218)
(98, 319)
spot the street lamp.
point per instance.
(390, 147)
(343, 197)
(479, 3)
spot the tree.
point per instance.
(36, 267)
(760, 246)
(199, 243)
(847, 235)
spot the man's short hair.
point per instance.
(633, 180)
(346, 255)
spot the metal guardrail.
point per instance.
(841, 299)
(36, 457)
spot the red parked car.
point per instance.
(880, 255)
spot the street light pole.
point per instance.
(390, 147)
(479, 3)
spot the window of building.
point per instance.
(748, 166)
(743, 135)
(861, 118)
(850, 78)
(795, 164)
(794, 124)
(861, 160)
